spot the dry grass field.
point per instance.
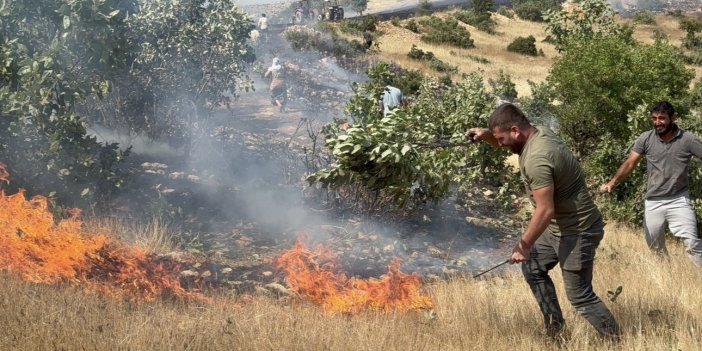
(395, 43)
(660, 308)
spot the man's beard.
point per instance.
(665, 130)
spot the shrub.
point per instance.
(694, 58)
(395, 21)
(446, 32)
(434, 63)
(504, 87)
(481, 21)
(528, 11)
(424, 8)
(418, 54)
(302, 38)
(357, 26)
(645, 17)
(504, 11)
(441, 66)
(523, 45)
(412, 26)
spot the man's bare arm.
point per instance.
(483, 134)
(623, 172)
(543, 213)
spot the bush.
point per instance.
(481, 21)
(418, 54)
(529, 11)
(694, 58)
(504, 87)
(504, 11)
(446, 32)
(424, 8)
(357, 26)
(395, 21)
(412, 26)
(434, 63)
(524, 45)
(302, 38)
(645, 17)
(441, 66)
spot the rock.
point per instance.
(435, 252)
(226, 270)
(488, 193)
(189, 273)
(262, 291)
(389, 248)
(278, 289)
(267, 274)
(477, 221)
(449, 271)
(205, 274)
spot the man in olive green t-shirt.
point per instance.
(566, 226)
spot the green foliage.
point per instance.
(435, 63)
(357, 26)
(503, 87)
(594, 19)
(411, 25)
(482, 21)
(533, 10)
(398, 154)
(303, 38)
(504, 11)
(645, 17)
(528, 11)
(357, 5)
(423, 9)
(148, 66)
(694, 58)
(190, 58)
(395, 21)
(446, 32)
(53, 55)
(418, 54)
(441, 66)
(523, 45)
(599, 82)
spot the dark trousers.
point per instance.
(576, 256)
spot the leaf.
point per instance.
(66, 22)
(113, 13)
(85, 192)
(405, 149)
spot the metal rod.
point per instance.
(483, 272)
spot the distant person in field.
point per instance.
(668, 150)
(566, 227)
(391, 99)
(263, 26)
(278, 87)
(367, 39)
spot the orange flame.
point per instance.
(315, 274)
(40, 250)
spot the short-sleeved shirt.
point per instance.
(547, 161)
(263, 23)
(392, 97)
(667, 164)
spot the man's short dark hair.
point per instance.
(664, 107)
(507, 115)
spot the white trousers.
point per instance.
(677, 214)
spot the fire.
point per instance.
(316, 275)
(41, 250)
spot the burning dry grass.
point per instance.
(659, 308)
(41, 250)
(317, 276)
